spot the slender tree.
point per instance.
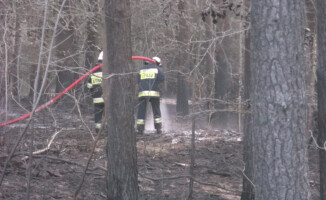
(66, 47)
(279, 100)
(321, 91)
(3, 68)
(119, 88)
(247, 185)
(15, 68)
(92, 34)
(310, 53)
(208, 65)
(222, 73)
(183, 59)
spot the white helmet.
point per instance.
(157, 60)
(100, 57)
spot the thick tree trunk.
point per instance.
(122, 172)
(321, 91)
(279, 100)
(183, 59)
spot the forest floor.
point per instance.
(163, 160)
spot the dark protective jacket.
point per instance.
(95, 85)
(149, 79)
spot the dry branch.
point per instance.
(195, 180)
(47, 147)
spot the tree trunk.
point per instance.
(91, 35)
(321, 92)
(2, 67)
(310, 52)
(122, 172)
(221, 76)
(182, 95)
(208, 69)
(247, 186)
(248, 192)
(279, 100)
(183, 59)
(15, 67)
(66, 48)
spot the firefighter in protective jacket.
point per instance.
(150, 77)
(95, 86)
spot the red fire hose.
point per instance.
(66, 90)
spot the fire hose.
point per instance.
(38, 109)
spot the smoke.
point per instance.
(166, 118)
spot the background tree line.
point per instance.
(206, 33)
(207, 42)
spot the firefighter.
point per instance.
(95, 86)
(150, 77)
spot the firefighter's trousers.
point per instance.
(98, 113)
(141, 115)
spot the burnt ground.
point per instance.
(163, 160)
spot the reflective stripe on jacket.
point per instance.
(150, 76)
(95, 84)
(148, 94)
(98, 100)
(96, 78)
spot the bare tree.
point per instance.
(183, 38)
(3, 66)
(206, 57)
(222, 73)
(66, 48)
(121, 147)
(247, 184)
(224, 45)
(321, 92)
(279, 100)
(310, 54)
(92, 33)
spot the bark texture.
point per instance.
(183, 59)
(2, 65)
(247, 187)
(222, 71)
(279, 100)
(248, 192)
(121, 146)
(66, 42)
(321, 91)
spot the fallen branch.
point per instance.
(194, 179)
(223, 174)
(59, 159)
(72, 162)
(165, 178)
(46, 148)
(181, 164)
